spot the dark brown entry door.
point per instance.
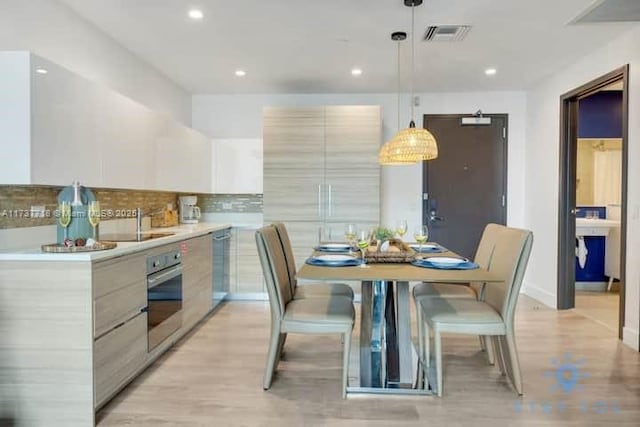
(464, 189)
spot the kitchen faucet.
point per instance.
(140, 214)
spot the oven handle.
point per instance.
(162, 276)
(223, 237)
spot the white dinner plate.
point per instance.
(443, 260)
(334, 258)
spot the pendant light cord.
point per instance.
(413, 58)
(399, 40)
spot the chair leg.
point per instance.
(516, 376)
(499, 355)
(420, 326)
(506, 361)
(283, 338)
(272, 356)
(426, 337)
(488, 348)
(346, 338)
(437, 348)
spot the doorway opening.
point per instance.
(592, 199)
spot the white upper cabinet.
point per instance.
(56, 127)
(129, 133)
(183, 160)
(237, 166)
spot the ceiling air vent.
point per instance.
(446, 33)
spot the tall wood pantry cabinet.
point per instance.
(321, 170)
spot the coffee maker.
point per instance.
(189, 212)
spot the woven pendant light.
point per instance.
(410, 145)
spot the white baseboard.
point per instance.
(631, 337)
(591, 286)
(541, 295)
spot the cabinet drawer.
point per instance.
(114, 274)
(118, 356)
(118, 306)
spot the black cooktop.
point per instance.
(132, 237)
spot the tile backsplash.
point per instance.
(230, 203)
(16, 203)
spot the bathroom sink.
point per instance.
(594, 226)
(132, 237)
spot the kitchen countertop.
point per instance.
(182, 232)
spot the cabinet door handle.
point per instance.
(320, 201)
(330, 203)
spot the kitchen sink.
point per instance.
(132, 237)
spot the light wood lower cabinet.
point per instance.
(73, 333)
(118, 356)
(119, 291)
(119, 325)
(197, 279)
(246, 277)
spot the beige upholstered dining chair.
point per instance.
(493, 316)
(334, 314)
(450, 290)
(309, 290)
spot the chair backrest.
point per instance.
(485, 249)
(288, 254)
(274, 268)
(509, 261)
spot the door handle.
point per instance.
(433, 217)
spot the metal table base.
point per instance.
(388, 361)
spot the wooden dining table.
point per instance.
(387, 356)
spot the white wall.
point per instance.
(541, 181)
(54, 31)
(240, 116)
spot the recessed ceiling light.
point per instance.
(196, 14)
(490, 71)
(356, 72)
(41, 70)
(241, 73)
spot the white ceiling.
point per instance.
(310, 46)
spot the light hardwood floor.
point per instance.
(601, 307)
(213, 377)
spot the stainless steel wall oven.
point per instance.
(164, 296)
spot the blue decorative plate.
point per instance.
(333, 260)
(427, 248)
(446, 263)
(333, 247)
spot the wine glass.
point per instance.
(401, 227)
(350, 233)
(364, 237)
(421, 234)
(64, 218)
(93, 212)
